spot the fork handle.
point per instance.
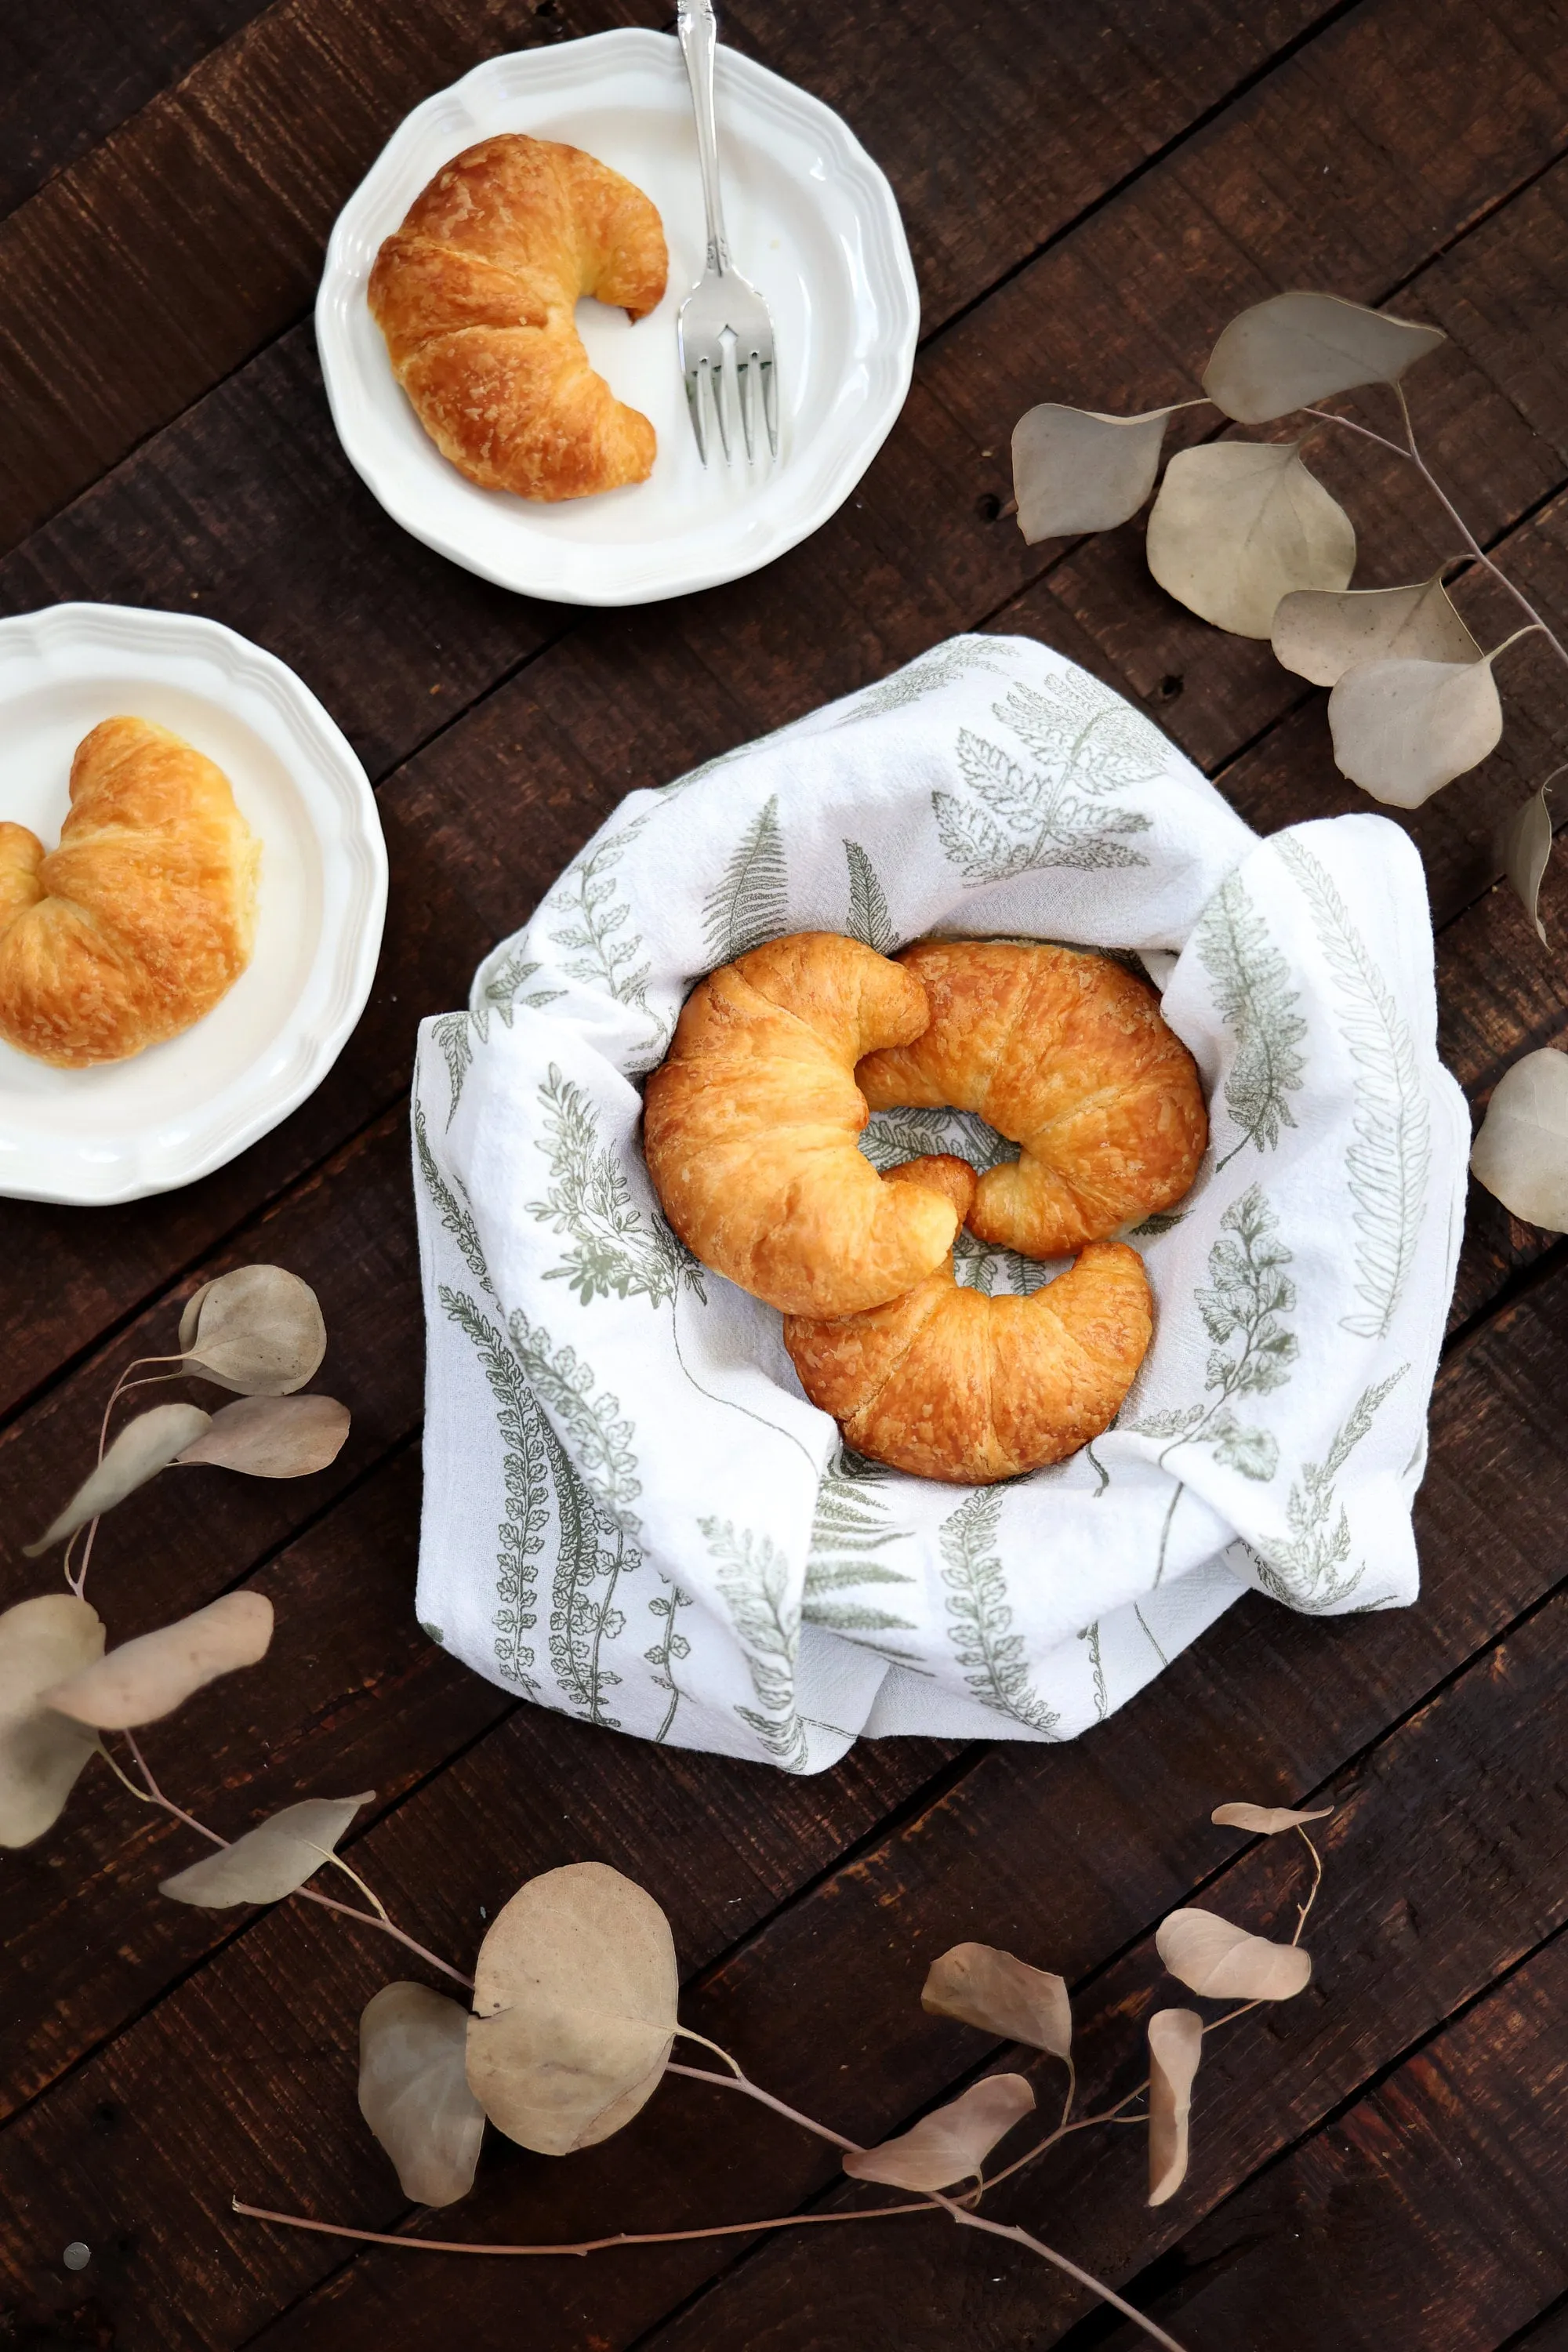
(699, 31)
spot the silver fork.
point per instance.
(721, 301)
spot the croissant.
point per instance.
(476, 293)
(948, 1383)
(141, 918)
(1066, 1054)
(749, 1129)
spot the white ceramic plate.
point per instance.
(181, 1109)
(812, 222)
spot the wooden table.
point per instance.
(1092, 188)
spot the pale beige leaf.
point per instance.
(1176, 2045)
(1403, 730)
(273, 1437)
(575, 1998)
(143, 1447)
(1269, 1821)
(1216, 1957)
(1298, 348)
(1523, 850)
(951, 2143)
(981, 1986)
(1239, 524)
(1522, 1152)
(257, 1330)
(41, 1752)
(1319, 635)
(1074, 469)
(149, 1677)
(413, 2093)
(272, 1859)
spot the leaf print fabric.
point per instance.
(631, 1513)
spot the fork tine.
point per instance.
(770, 403)
(716, 386)
(746, 397)
(694, 402)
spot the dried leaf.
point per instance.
(257, 1330)
(1269, 1821)
(1320, 636)
(143, 1447)
(41, 1752)
(1523, 850)
(1297, 348)
(1074, 469)
(413, 2093)
(1216, 1957)
(273, 1436)
(149, 1677)
(272, 1859)
(1239, 524)
(1522, 1152)
(981, 1986)
(951, 2143)
(1403, 730)
(575, 1998)
(1176, 2045)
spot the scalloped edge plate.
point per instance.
(811, 221)
(179, 1110)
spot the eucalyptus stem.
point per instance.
(582, 2245)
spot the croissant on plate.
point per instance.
(476, 295)
(1067, 1054)
(141, 918)
(750, 1127)
(948, 1383)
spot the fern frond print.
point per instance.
(750, 902)
(456, 1215)
(666, 1653)
(520, 1538)
(753, 1577)
(1254, 998)
(1016, 819)
(500, 986)
(980, 1619)
(869, 919)
(614, 1250)
(852, 1524)
(942, 666)
(1311, 1569)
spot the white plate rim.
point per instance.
(335, 794)
(577, 575)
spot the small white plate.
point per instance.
(812, 223)
(180, 1111)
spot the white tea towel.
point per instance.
(632, 1512)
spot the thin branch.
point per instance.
(1317, 1881)
(584, 2245)
(687, 2034)
(739, 2082)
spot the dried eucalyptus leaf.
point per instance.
(1403, 730)
(41, 1752)
(257, 1330)
(1216, 1957)
(1075, 469)
(1176, 2045)
(273, 1436)
(1297, 348)
(1269, 1821)
(1522, 1152)
(1321, 636)
(575, 1997)
(951, 2143)
(272, 1859)
(981, 1986)
(413, 2093)
(1523, 850)
(143, 1447)
(1239, 524)
(149, 1677)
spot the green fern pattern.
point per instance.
(1311, 1571)
(1254, 998)
(944, 666)
(665, 1654)
(1247, 1297)
(520, 1538)
(750, 902)
(614, 1252)
(456, 1215)
(911, 1133)
(753, 1577)
(1091, 1634)
(851, 1526)
(454, 1035)
(602, 949)
(1387, 1164)
(869, 919)
(1016, 819)
(980, 1619)
(502, 986)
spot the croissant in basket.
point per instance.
(141, 918)
(1067, 1054)
(750, 1127)
(476, 295)
(948, 1383)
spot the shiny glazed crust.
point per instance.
(143, 918)
(476, 294)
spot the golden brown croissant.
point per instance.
(476, 294)
(1067, 1054)
(144, 915)
(948, 1383)
(749, 1129)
